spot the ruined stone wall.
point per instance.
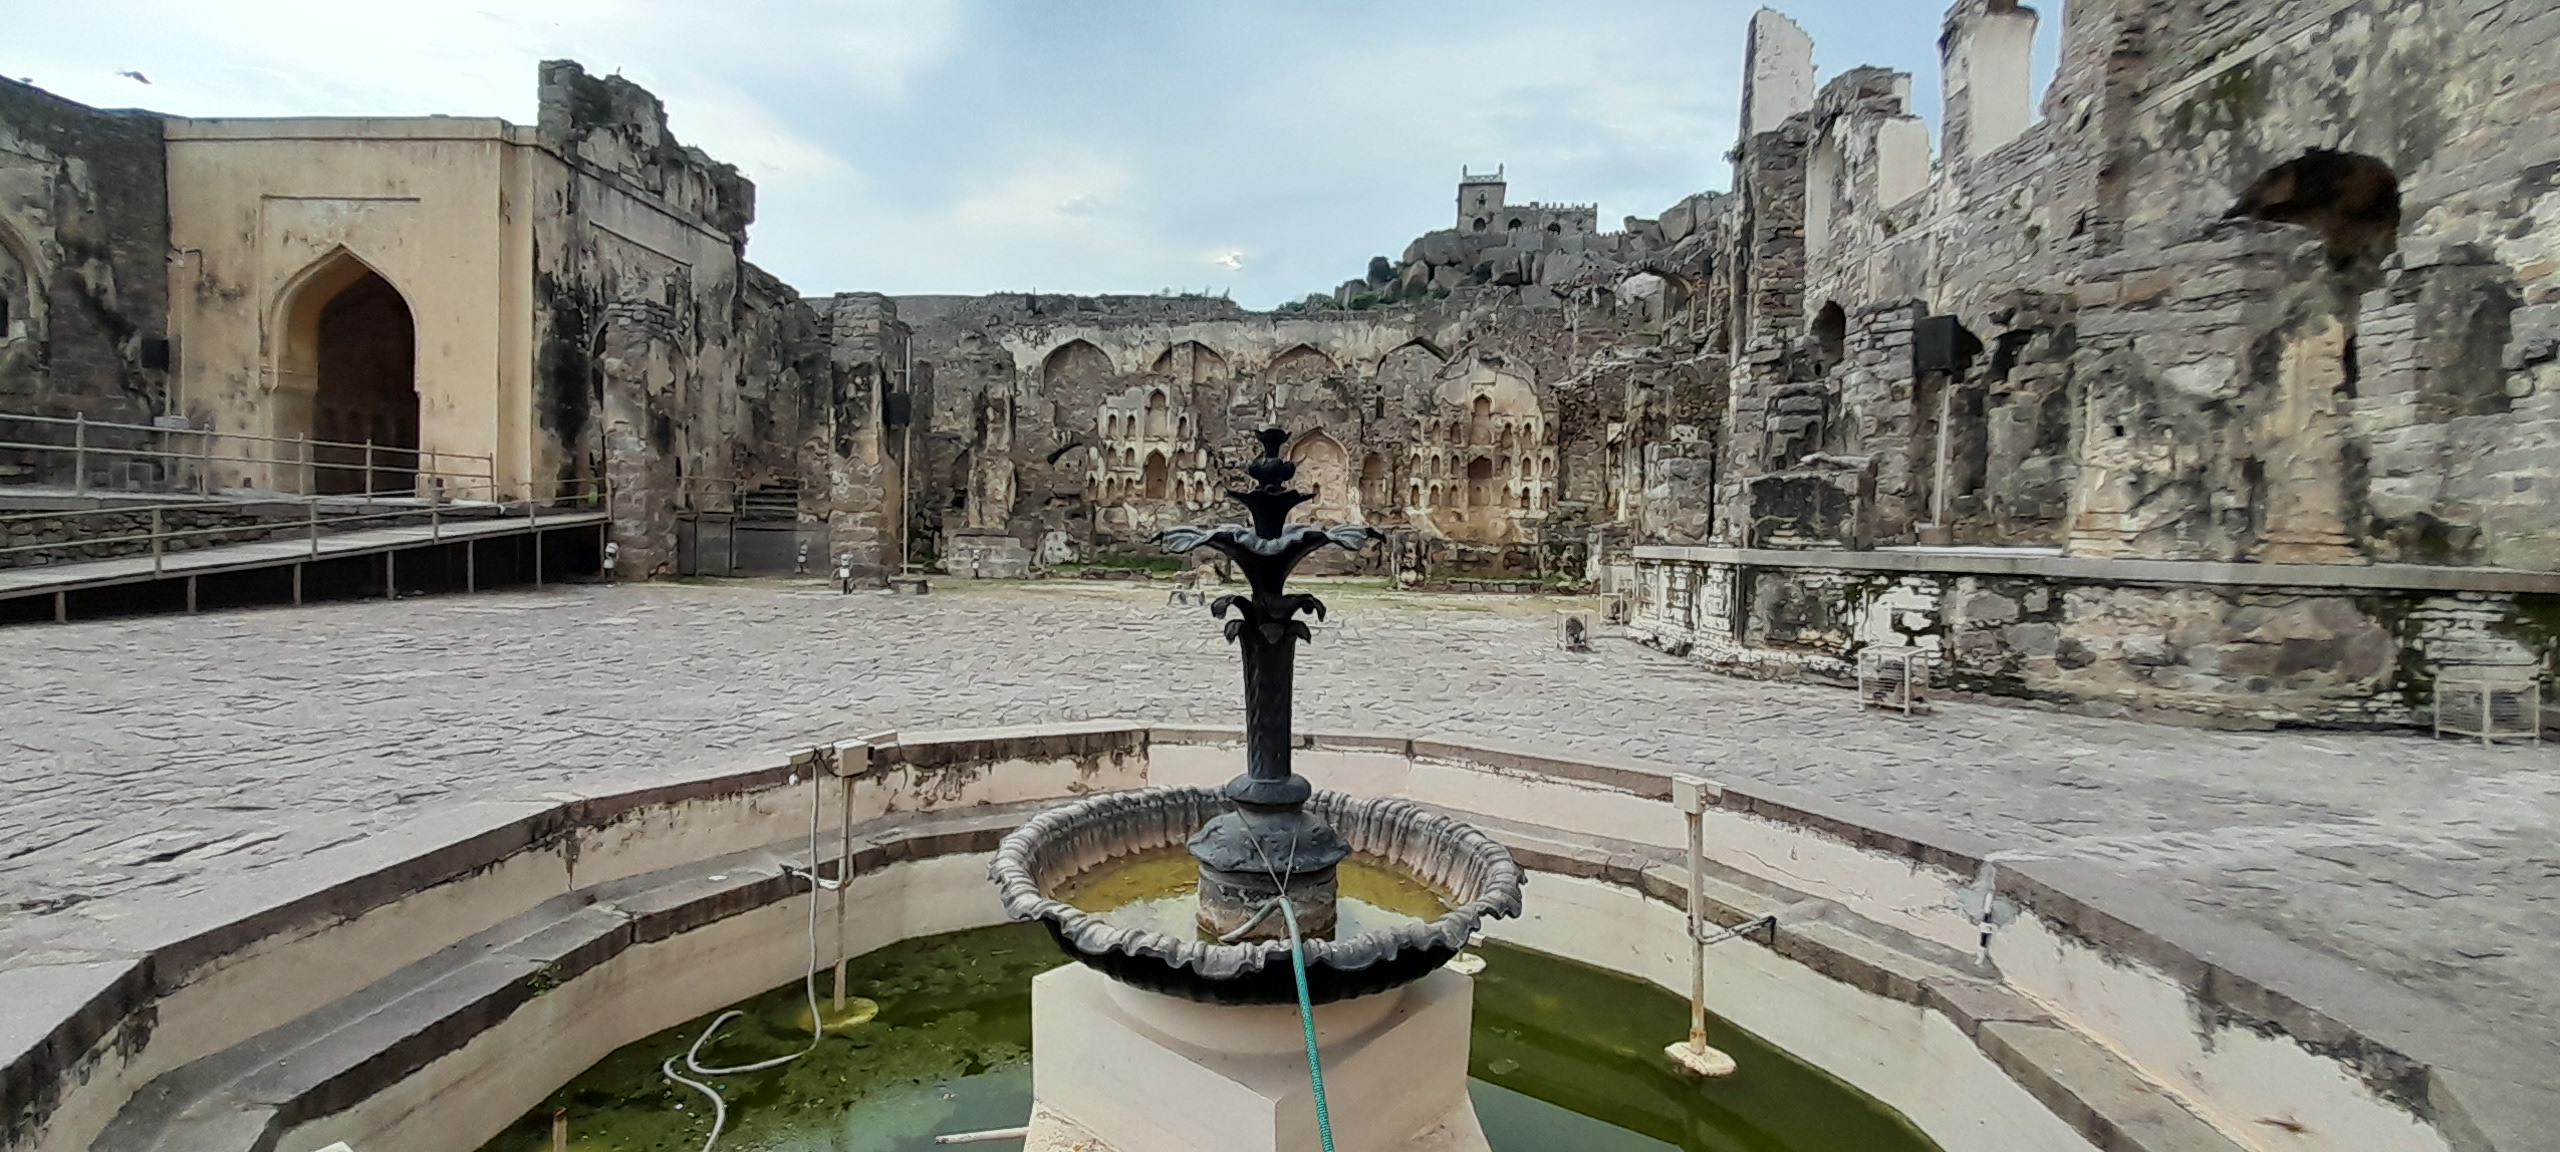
(668, 368)
(2446, 413)
(1080, 426)
(2256, 655)
(84, 251)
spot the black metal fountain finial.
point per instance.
(1269, 844)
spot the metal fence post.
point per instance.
(156, 542)
(368, 467)
(204, 474)
(314, 508)
(302, 451)
(80, 452)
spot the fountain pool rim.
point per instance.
(1062, 844)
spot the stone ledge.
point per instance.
(2339, 577)
(333, 1059)
(2094, 1092)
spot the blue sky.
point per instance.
(1265, 149)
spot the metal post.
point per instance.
(61, 607)
(435, 515)
(390, 575)
(191, 595)
(471, 565)
(302, 453)
(156, 543)
(368, 467)
(537, 558)
(314, 507)
(1697, 930)
(204, 471)
(80, 452)
(297, 585)
(844, 880)
(1691, 795)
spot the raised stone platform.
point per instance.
(1117, 1069)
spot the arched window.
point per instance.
(1158, 476)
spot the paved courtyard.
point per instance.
(161, 757)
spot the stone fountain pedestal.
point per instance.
(1121, 1069)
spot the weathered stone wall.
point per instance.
(2219, 654)
(84, 251)
(668, 368)
(2264, 284)
(1472, 425)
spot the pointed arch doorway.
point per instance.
(348, 378)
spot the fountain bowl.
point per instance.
(1476, 876)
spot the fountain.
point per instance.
(1167, 1039)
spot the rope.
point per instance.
(808, 983)
(1297, 967)
(1307, 1021)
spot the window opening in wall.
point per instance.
(2352, 370)
(1513, 226)
(1555, 229)
(1479, 225)
(1831, 335)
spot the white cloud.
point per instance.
(986, 145)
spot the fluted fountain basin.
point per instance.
(1084, 869)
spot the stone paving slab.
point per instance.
(150, 760)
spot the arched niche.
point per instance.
(23, 277)
(1324, 469)
(1075, 363)
(1193, 362)
(1300, 364)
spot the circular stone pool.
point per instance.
(1565, 1058)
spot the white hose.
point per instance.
(808, 984)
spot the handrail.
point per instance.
(158, 537)
(83, 421)
(307, 460)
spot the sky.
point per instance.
(1263, 149)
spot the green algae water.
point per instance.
(1566, 1058)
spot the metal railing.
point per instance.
(709, 495)
(185, 459)
(597, 494)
